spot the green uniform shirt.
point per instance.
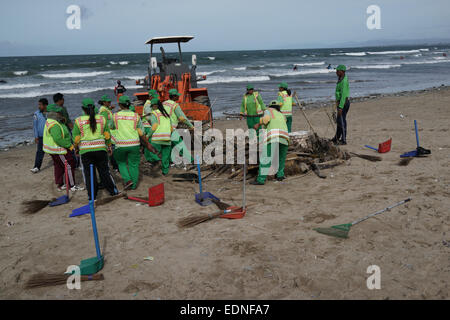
(57, 136)
(251, 104)
(154, 120)
(66, 115)
(342, 91)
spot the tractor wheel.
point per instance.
(203, 100)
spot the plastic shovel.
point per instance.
(94, 264)
(419, 151)
(382, 147)
(65, 198)
(203, 198)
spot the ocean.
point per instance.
(371, 70)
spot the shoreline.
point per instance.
(308, 106)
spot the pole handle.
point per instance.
(199, 174)
(381, 211)
(417, 133)
(67, 177)
(371, 147)
(94, 223)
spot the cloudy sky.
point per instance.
(122, 26)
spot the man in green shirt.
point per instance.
(342, 105)
(252, 107)
(58, 98)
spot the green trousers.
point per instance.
(289, 123)
(128, 160)
(165, 150)
(178, 143)
(266, 162)
(251, 121)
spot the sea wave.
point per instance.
(240, 68)
(236, 79)
(302, 72)
(33, 94)
(355, 54)
(426, 62)
(376, 66)
(395, 52)
(74, 74)
(20, 86)
(20, 73)
(207, 73)
(133, 77)
(120, 62)
(211, 58)
(310, 64)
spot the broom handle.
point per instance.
(367, 146)
(199, 174)
(67, 177)
(92, 277)
(417, 133)
(304, 114)
(243, 192)
(94, 224)
(381, 211)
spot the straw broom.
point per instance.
(366, 156)
(405, 161)
(47, 280)
(33, 206)
(195, 220)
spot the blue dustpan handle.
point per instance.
(417, 133)
(94, 224)
(199, 174)
(371, 147)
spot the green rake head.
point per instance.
(339, 231)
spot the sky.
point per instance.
(30, 27)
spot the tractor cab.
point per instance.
(174, 73)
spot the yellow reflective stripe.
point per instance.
(93, 144)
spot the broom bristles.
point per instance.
(48, 279)
(195, 220)
(367, 157)
(33, 206)
(104, 201)
(405, 161)
(221, 205)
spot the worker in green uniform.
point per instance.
(128, 135)
(105, 110)
(177, 116)
(161, 132)
(252, 107)
(58, 143)
(285, 101)
(342, 105)
(92, 139)
(275, 140)
(152, 94)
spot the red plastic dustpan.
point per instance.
(155, 196)
(238, 212)
(385, 146)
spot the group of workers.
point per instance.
(100, 137)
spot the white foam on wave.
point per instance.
(72, 81)
(355, 54)
(32, 94)
(426, 62)
(240, 68)
(236, 79)
(207, 73)
(302, 72)
(425, 49)
(306, 64)
(74, 74)
(395, 52)
(134, 77)
(20, 73)
(377, 66)
(20, 86)
(211, 58)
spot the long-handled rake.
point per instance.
(342, 230)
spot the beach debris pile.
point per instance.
(307, 152)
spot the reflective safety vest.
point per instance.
(277, 127)
(164, 129)
(103, 109)
(49, 145)
(286, 108)
(258, 107)
(90, 140)
(126, 134)
(170, 107)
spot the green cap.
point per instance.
(274, 103)
(124, 99)
(133, 108)
(174, 92)
(153, 93)
(341, 67)
(283, 85)
(88, 102)
(250, 87)
(105, 98)
(54, 108)
(154, 101)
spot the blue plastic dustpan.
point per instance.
(80, 211)
(61, 200)
(203, 198)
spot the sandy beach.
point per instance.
(273, 253)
